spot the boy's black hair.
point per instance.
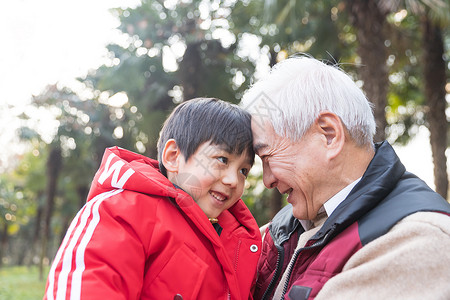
(201, 120)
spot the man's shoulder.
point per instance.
(409, 197)
(427, 219)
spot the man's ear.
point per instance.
(170, 156)
(331, 127)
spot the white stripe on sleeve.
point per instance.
(67, 253)
(75, 292)
(51, 275)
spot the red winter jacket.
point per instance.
(139, 237)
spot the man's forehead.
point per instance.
(260, 123)
(263, 133)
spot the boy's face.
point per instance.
(213, 177)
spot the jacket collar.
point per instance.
(147, 179)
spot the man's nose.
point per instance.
(270, 181)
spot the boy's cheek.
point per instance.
(190, 184)
(239, 192)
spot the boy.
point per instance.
(180, 232)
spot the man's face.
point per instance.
(294, 168)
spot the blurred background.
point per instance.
(79, 76)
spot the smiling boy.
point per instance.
(179, 231)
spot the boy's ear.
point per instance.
(330, 125)
(170, 156)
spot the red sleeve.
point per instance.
(104, 252)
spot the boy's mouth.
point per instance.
(218, 196)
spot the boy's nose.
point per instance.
(230, 178)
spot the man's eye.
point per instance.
(264, 157)
(222, 159)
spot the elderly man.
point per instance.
(357, 226)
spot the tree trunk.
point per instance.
(82, 191)
(434, 82)
(37, 229)
(53, 167)
(273, 57)
(65, 226)
(188, 70)
(3, 241)
(369, 22)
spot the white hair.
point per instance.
(299, 88)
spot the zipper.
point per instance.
(296, 254)
(277, 271)
(236, 256)
(291, 267)
(236, 259)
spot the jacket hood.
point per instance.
(124, 169)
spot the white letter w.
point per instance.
(116, 167)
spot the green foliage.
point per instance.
(21, 283)
(208, 46)
(405, 111)
(257, 198)
(437, 10)
(319, 28)
(204, 64)
(187, 34)
(20, 192)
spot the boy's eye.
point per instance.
(222, 159)
(245, 172)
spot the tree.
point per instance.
(81, 136)
(290, 27)
(435, 80)
(129, 97)
(173, 52)
(21, 194)
(369, 22)
(374, 39)
(53, 169)
(7, 216)
(433, 16)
